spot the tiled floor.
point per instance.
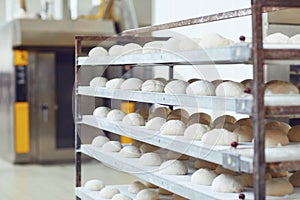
(51, 182)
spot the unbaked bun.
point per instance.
(114, 83)
(295, 39)
(147, 194)
(245, 133)
(153, 86)
(132, 48)
(101, 111)
(173, 127)
(227, 183)
(130, 152)
(280, 87)
(133, 119)
(219, 137)
(294, 134)
(99, 141)
(116, 50)
(153, 47)
(230, 89)
(176, 87)
(150, 159)
(278, 187)
(112, 146)
(275, 138)
(108, 192)
(277, 38)
(132, 84)
(115, 115)
(155, 123)
(94, 185)
(121, 197)
(97, 51)
(195, 131)
(161, 79)
(201, 88)
(213, 40)
(203, 177)
(135, 187)
(173, 167)
(98, 82)
(201, 118)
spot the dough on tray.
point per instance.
(162, 112)
(224, 118)
(132, 84)
(115, 115)
(132, 48)
(136, 186)
(121, 197)
(227, 125)
(112, 146)
(130, 152)
(195, 131)
(245, 122)
(278, 187)
(97, 51)
(294, 134)
(203, 177)
(153, 86)
(173, 167)
(114, 83)
(201, 118)
(295, 39)
(173, 127)
(280, 87)
(227, 183)
(116, 50)
(99, 141)
(101, 111)
(201, 88)
(133, 119)
(187, 44)
(219, 137)
(98, 82)
(108, 192)
(155, 123)
(153, 47)
(277, 38)
(245, 133)
(278, 125)
(275, 138)
(147, 194)
(94, 185)
(213, 40)
(150, 159)
(230, 89)
(205, 164)
(171, 45)
(295, 179)
(176, 87)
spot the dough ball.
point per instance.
(133, 119)
(115, 50)
(280, 87)
(132, 48)
(277, 38)
(115, 115)
(277, 125)
(217, 82)
(201, 88)
(98, 82)
(150, 159)
(195, 131)
(173, 167)
(224, 118)
(171, 44)
(94, 185)
(173, 127)
(101, 111)
(295, 39)
(219, 137)
(145, 148)
(108, 192)
(135, 187)
(227, 183)
(176, 87)
(177, 197)
(130, 152)
(230, 89)
(294, 134)
(153, 86)
(245, 122)
(114, 83)
(213, 40)
(172, 155)
(155, 123)
(112, 146)
(164, 191)
(147, 194)
(222, 170)
(153, 47)
(278, 187)
(161, 79)
(203, 177)
(205, 164)
(99, 141)
(245, 133)
(228, 126)
(278, 174)
(121, 197)
(275, 138)
(162, 112)
(132, 84)
(295, 179)
(188, 44)
(201, 118)
(97, 51)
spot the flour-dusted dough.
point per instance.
(195, 131)
(133, 119)
(222, 170)
(275, 138)
(99, 141)
(245, 133)
(132, 84)
(155, 123)
(121, 197)
(230, 89)
(101, 111)
(171, 45)
(147, 194)
(173, 167)
(219, 137)
(176, 87)
(116, 50)
(277, 38)
(295, 39)
(115, 115)
(213, 40)
(150, 159)
(114, 83)
(224, 118)
(201, 118)
(132, 48)
(153, 47)
(112, 146)
(97, 51)
(109, 192)
(280, 87)
(130, 152)
(173, 127)
(153, 86)
(203, 177)
(98, 82)
(136, 186)
(172, 155)
(205, 164)
(94, 185)
(294, 134)
(145, 148)
(201, 88)
(278, 187)
(227, 183)
(278, 125)
(295, 179)
(245, 122)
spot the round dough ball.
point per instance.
(176, 87)
(112, 146)
(147, 194)
(294, 134)
(245, 133)
(99, 141)
(145, 148)
(277, 38)
(98, 82)
(115, 50)
(201, 118)
(187, 45)
(162, 112)
(173, 127)
(245, 122)
(172, 155)
(173, 167)
(153, 47)
(97, 51)
(280, 87)
(222, 170)
(94, 185)
(230, 89)
(101, 111)
(205, 164)
(219, 137)
(135, 187)
(150, 159)
(133, 119)
(115, 115)
(275, 138)
(295, 179)
(224, 118)
(130, 152)
(132, 84)
(132, 48)
(277, 125)
(195, 131)
(155, 123)
(201, 88)
(109, 192)
(228, 126)
(213, 40)
(227, 183)
(164, 191)
(295, 39)
(121, 197)
(171, 44)
(114, 83)
(153, 86)
(203, 177)
(278, 187)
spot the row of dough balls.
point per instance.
(194, 86)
